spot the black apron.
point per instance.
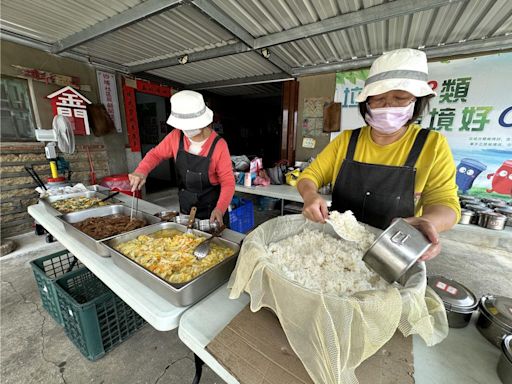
(376, 194)
(194, 188)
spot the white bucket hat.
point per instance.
(188, 111)
(402, 69)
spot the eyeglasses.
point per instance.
(381, 102)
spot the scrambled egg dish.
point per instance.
(77, 204)
(170, 254)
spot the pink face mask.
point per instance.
(389, 120)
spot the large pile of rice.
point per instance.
(322, 263)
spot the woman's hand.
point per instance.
(216, 216)
(315, 208)
(137, 180)
(426, 227)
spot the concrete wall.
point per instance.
(108, 152)
(313, 86)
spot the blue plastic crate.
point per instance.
(241, 219)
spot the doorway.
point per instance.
(152, 113)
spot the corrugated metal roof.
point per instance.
(223, 68)
(257, 90)
(53, 20)
(185, 29)
(447, 24)
(170, 34)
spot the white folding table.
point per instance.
(464, 357)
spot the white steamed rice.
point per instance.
(326, 264)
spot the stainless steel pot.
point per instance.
(505, 363)
(466, 216)
(495, 318)
(492, 220)
(396, 250)
(507, 211)
(477, 209)
(459, 302)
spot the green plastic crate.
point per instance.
(46, 270)
(95, 318)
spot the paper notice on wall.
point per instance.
(313, 116)
(108, 95)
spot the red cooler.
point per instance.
(119, 183)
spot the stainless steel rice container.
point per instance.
(459, 302)
(495, 318)
(492, 220)
(466, 216)
(181, 295)
(183, 220)
(477, 209)
(506, 211)
(206, 226)
(505, 362)
(97, 245)
(396, 250)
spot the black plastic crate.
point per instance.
(46, 270)
(95, 318)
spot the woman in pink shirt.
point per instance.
(203, 163)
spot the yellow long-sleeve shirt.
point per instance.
(435, 168)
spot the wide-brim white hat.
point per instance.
(402, 69)
(188, 111)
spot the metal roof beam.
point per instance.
(225, 21)
(353, 19)
(123, 19)
(260, 79)
(493, 44)
(42, 46)
(226, 50)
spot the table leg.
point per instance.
(199, 369)
(282, 207)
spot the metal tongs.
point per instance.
(31, 171)
(135, 200)
(203, 249)
(109, 196)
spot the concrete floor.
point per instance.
(35, 349)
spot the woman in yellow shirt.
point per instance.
(391, 167)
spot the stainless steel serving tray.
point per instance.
(181, 295)
(47, 201)
(74, 217)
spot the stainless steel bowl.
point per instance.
(183, 220)
(505, 363)
(495, 318)
(396, 250)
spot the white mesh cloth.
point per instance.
(333, 335)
